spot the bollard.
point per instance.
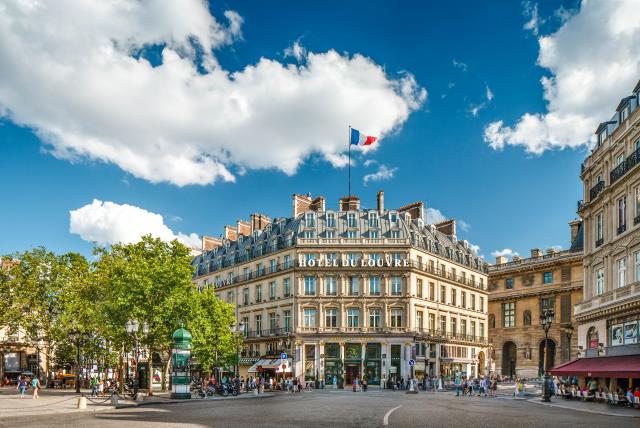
(255, 391)
(114, 400)
(140, 396)
(82, 402)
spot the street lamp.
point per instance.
(79, 338)
(239, 329)
(546, 319)
(132, 327)
(568, 330)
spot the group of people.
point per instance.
(25, 382)
(480, 386)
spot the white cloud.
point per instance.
(460, 65)
(369, 162)
(475, 109)
(489, 94)
(530, 10)
(296, 51)
(507, 252)
(433, 215)
(593, 61)
(383, 173)
(464, 226)
(109, 223)
(71, 72)
(475, 249)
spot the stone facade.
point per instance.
(609, 316)
(518, 291)
(353, 293)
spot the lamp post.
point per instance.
(132, 327)
(79, 338)
(239, 330)
(568, 330)
(546, 319)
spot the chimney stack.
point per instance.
(244, 228)
(575, 226)
(209, 242)
(349, 203)
(415, 210)
(381, 201)
(500, 260)
(230, 233)
(301, 204)
(318, 204)
(536, 252)
(448, 227)
(259, 222)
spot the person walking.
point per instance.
(22, 386)
(458, 383)
(35, 384)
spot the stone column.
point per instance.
(321, 315)
(321, 359)
(364, 322)
(383, 316)
(385, 285)
(364, 286)
(362, 359)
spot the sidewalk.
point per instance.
(50, 401)
(588, 407)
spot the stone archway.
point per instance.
(551, 356)
(509, 356)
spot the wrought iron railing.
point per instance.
(636, 220)
(595, 190)
(599, 242)
(622, 228)
(625, 166)
(270, 332)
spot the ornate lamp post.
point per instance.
(79, 338)
(568, 330)
(239, 330)
(132, 327)
(546, 319)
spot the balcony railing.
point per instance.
(636, 220)
(271, 332)
(599, 242)
(595, 190)
(624, 167)
(580, 204)
(609, 299)
(622, 228)
(440, 334)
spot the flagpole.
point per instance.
(349, 142)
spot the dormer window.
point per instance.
(256, 234)
(602, 136)
(331, 220)
(351, 219)
(373, 219)
(393, 218)
(395, 234)
(309, 220)
(373, 234)
(624, 113)
(308, 234)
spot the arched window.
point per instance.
(592, 338)
(492, 321)
(526, 318)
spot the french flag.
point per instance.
(358, 139)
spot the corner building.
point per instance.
(609, 316)
(351, 293)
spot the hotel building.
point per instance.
(519, 291)
(351, 292)
(610, 312)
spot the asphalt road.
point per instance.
(331, 408)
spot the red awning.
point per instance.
(623, 366)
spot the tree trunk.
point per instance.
(150, 371)
(122, 373)
(163, 374)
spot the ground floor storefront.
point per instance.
(611, 374)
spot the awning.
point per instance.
(272, 364)
(623, 366)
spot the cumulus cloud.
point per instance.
(593, 60)
(383, 173)
(75, 73)
(464, 226)
(296, 51)
(475, 248)
(507, 252)
(109, 223)
(433, 215)
(530, 11)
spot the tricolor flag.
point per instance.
(358, 139)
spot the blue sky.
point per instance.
(512, 196)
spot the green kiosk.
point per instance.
(181, 358)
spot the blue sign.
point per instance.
(283, 356)
(411, 362)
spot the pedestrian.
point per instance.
(94, 386)
(35, 384)
(458, 383)
(101, 387)
(21, 386)
(364, 384)
(295, 385)
(335, 382)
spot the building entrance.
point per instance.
(352, 371)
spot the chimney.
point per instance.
(230, 233)
(415, 209)
(209, 242)
(318, 204)
(574, 225)
(301, 203)
(552, 251)
(244, 228)
(259, 222)
(349, 203)
(381, 201)
(536, 252)
(448, 227)
(516, 258)
(500, 260)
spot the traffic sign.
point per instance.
(283, 356)
(411, 362)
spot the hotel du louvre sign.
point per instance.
(345, 262)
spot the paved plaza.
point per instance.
(327, 408)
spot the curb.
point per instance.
(597, 412)
(203, 400)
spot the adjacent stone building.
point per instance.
(352, 292)
(518, 292)
(609, 316)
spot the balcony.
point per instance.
(636, 220)
(609, 299)
(596, 190)
(271, 332)
(599, 242)
(580, 204)
(429, 334)
(621, 228)
(624, 167)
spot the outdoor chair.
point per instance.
(586, 396)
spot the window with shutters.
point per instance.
(566, 273)
(565, 308)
